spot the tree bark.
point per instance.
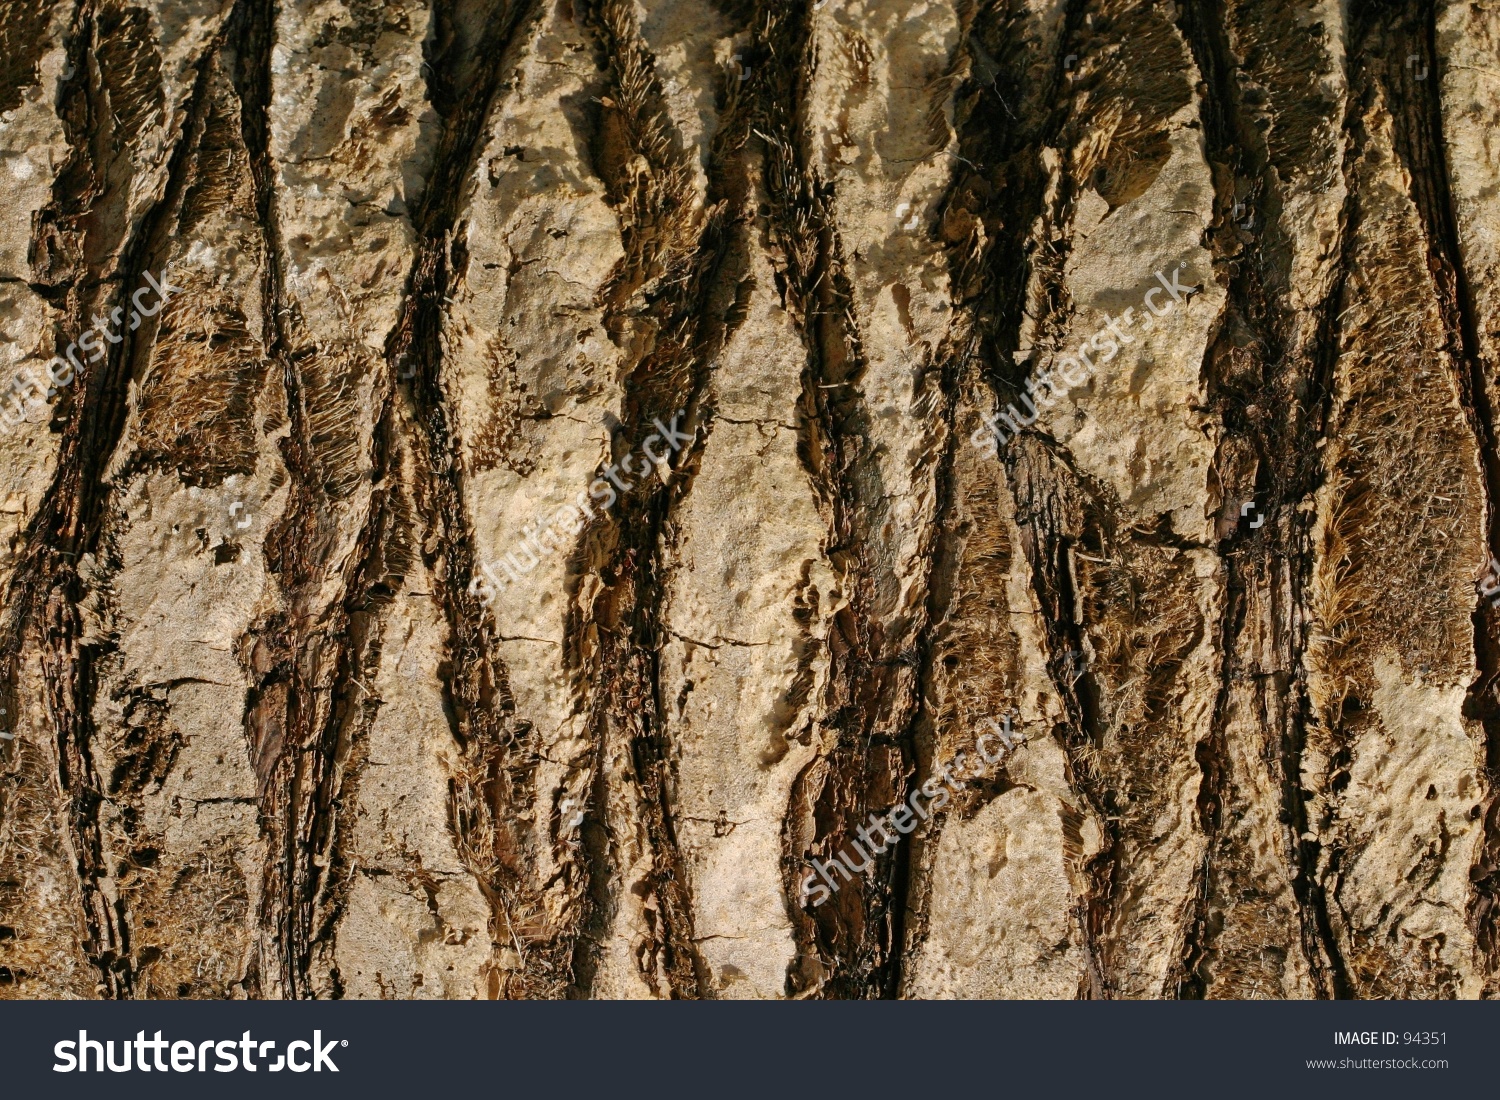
(590, 458)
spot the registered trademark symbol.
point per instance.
(343, 1042)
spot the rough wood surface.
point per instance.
(556, 501)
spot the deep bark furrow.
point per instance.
(871, 682)
(681, 261)
(44, 588)
(298, 710)
(1420, 140)
(1015, 262)
(1256, 451)
(494, 844)
(1317, 865)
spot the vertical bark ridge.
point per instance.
(44, 589)
(1361, 656)
(305, 655)
(1252, 364)
(496, 754)
(1420, 132)
(668, 300)
(870, 762)
(1007, 114)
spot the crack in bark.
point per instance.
(871, 677)
(1260, 453)
(45, 589)
(1000, 307)
(497, 757)
(306, 660)
(1419, 140)
(679, 264)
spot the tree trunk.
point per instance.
(588, 459)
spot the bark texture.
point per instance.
(545, 515)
